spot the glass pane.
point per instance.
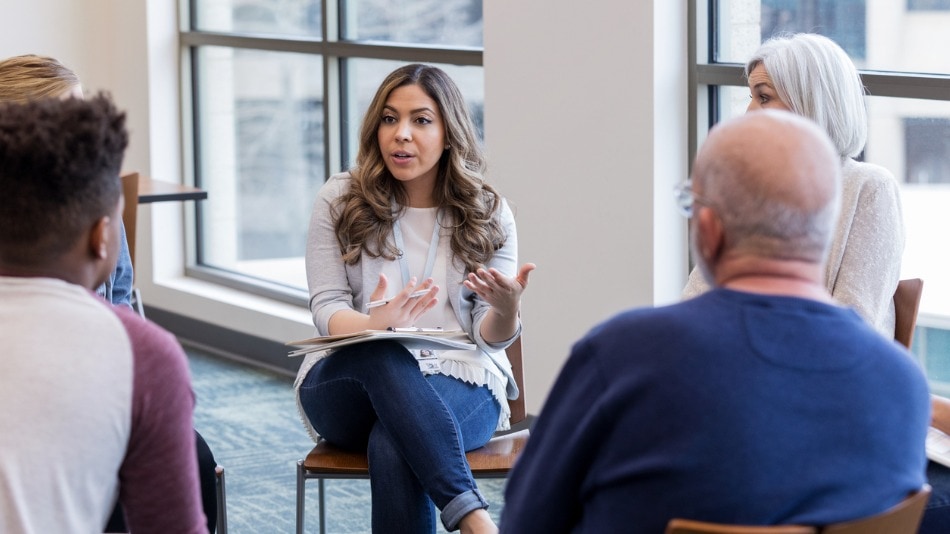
(733, 101)
(932, 348)
(928, 5)
(909, 137)
(281, 17)
(363, 77)
(260, 141)
(431, 22)
(890, 36)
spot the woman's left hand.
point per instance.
(502, 292)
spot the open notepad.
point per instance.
(938, 446)
(432, 340)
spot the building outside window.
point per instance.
(899, 49)
(928, 5)
(277, 94)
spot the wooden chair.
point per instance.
(130, 191)
(906, 305)
(688, 526)
(494, 460)
(902, 518)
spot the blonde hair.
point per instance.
(469, 205)
(31, 77)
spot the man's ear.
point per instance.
(99, 238)
(711, 239)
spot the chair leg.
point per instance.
(301, 498)
(136, 299)
(222, 523)
(323, 507)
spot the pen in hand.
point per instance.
(378, 303)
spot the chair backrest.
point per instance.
(688, 526)
(130, 191)
(517, 369)
(902, 518)
(906, 305)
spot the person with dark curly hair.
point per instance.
(414, 236)
(97, 400)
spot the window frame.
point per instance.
(706, 75)
(334, 51)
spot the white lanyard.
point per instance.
(433, 250)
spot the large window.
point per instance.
(898, 50)
(278, 91)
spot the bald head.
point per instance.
(773, 179)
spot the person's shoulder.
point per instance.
(505, 211)
(335, 186)
(855, 333)
(147, 337)
(339, 181)
(898, 365)
(862, 173)
(641, 322)
(871, 188)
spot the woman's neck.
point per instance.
(420, 192)
(419, 197)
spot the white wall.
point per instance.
(585, 122)
(586, 133)
(102, 40)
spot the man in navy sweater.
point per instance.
(759, 402)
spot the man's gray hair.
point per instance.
(769, 225)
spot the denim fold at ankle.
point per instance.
(461, 506)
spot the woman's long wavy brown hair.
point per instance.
(468, 204)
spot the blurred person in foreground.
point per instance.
(761, 401)
(32, 77)
(97, 400)
(810, 75)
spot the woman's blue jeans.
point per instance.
(936, 518)
(414, 427)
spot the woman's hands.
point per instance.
(502, 292)
(504, 296)
(402, 309)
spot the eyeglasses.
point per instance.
(686, 198)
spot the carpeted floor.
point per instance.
(249, 419)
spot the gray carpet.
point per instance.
(249, 419)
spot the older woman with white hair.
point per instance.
(811, 75)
